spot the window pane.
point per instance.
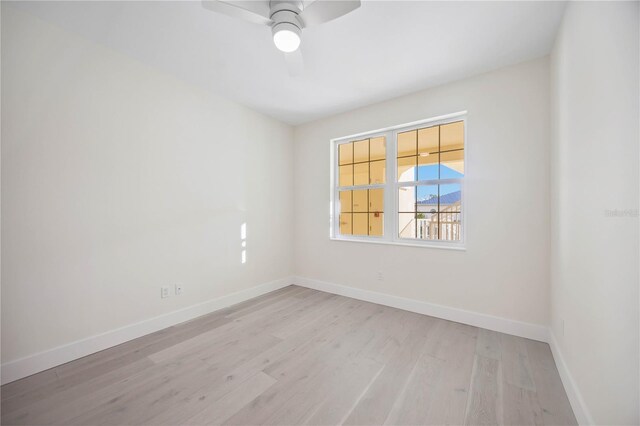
(407, 143)
(427, 196)
(376, 200)
(361, 174)
(345, 201)
(407, 225)
(407, 199)
(428, 139)
(452, 164)
(376, 224)
(407, 169)
(452, 136)
(377, 171)
(428, 166)
(346, 175)
(361, 151)
(450, 227)
(377, 149)
(360, 224)
(450, 197)
(345, 224)
(345, 153)
(360, 201)
(427, 226)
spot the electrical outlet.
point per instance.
(380, 276)
(164, 291)
(179, 289)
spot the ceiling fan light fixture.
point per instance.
(286, 37)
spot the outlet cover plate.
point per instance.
(164, 291)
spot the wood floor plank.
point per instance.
(307, 399)
(515, 362)
(332, 396)
(289, 299)
(349, 328)
(220, 381)
(249, 307)
(556, 409)
(412, 406)
(289, 349)
(265, 298)
(484, 404)
(40, 409)
(256, 323)
(520, 406)
(376, 404)
(220, 410)
(456, 346)
(300, 356)
(297, 380)
(303, 374)
(113, 397)
(140, 405)
(285, 349)
(341, 400)
(289, 328)
(27, 384)
(489, 344)
(102, 400)
(390, 332)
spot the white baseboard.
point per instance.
(503, 325)
(32, 364)
(573, 393)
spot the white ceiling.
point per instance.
(382, 50)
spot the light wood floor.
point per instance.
(300, 356)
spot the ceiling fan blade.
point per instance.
(321, 11)
(256, 12)
(295, 63)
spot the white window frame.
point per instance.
(391, 186)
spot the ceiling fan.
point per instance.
(287, 19)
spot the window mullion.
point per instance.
(390, 206)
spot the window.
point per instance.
(401, 185)
(361, 177)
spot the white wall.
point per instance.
(594, 268)
(117, 179)
(505, 270)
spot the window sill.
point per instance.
(440, 246)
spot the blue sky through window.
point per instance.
(431, 172)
